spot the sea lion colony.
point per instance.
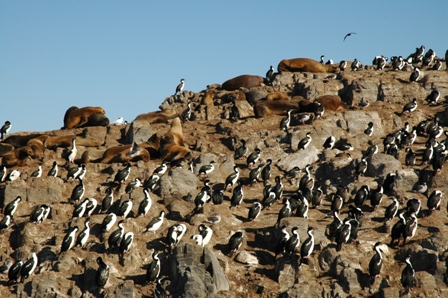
(170, 144)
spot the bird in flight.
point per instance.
(348, 34)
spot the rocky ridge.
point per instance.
(253, 272)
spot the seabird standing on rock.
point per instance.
(434, 201)
(203, 196)
(180, 87)
(217, 196)
(71, 155)
(303, 143)
(322, 59)
(14, 272)
(69, 239)
(154, 268)
(119, 121)
(253, 158)
(376, 263)
(234, 112)
(13, 175)
(5, 129)
(235, 242)
(80, 209)
(29, 266)
(284, 123)
(237, 195)
(266, 172)
(108, 222)
(5, 222)
(363, 103)
(433, 97)
(125, 208)
(102, 274)
(361, 167)
(123, 174)
(126, 242)
(78, 192)
(303, 208)
(116, 236)
(11, 208)
(37, 173)
(54, 170)
(254, 173)
(284, 212)
(342, 65)
(408, 275)
(232, 178)
(356, 65)
(206, 234)
(270, 74)
(186, 115)
(145, 204)
(437, 65)
(410, 157)
(83, 236)
(241, 151)
(293, 242)
(155, 223)
(207, 169)
(420, 187)
(343, 234)
(2, 173)
(329, 142)
(392, 209)
(108, 200)
(415, 75)
(152, 182)
(280, 247)
(369, 130)
(136, 183)
(160, 170)
(308, 246)
(254, 211)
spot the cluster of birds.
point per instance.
(306, 196)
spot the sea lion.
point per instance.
(120, 154)
(17, 157)
(208, 98)
(329, 102)
(52, 142)
(158, 116)
(38, 147)
(77, 117)
(177, 132)
(276, 107)
(277, 95)
(97, 119)
(170, 151)
(246, 81)
(20, 140)
(150, 149)
(304, 65)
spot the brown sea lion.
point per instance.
(38, 147)
(304, 65)
(170, 151)
(17, 157)
(277, 95)
(52, 142)
(97, 120)
(208, 98)
(77, 117)
(176, 132)
(158, 116)
(150, 149)
(246, 81)
(20, 140)
(276, 107)
(329, 102)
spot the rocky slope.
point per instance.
(253, 271)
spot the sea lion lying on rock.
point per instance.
(17, 157)
(150, 149)
(277, 95)
(172, 146)
(77, 117)
(329, 102)
(158, 116)
(304, 65)
(246, 81)
(52, 142)
(277, 107)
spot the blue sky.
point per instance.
(128, 56)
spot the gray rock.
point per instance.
(180, 180)
(50, 188)
(299, 158)
(286, 271)
(214, 268)
(381, 164)
(245, 257)
(140, 131)
(125, 290)
(349, 280)
(244, 108)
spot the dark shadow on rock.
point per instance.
(363, 279)
(137, 279)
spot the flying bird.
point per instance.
(348, 34)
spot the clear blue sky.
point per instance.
(128, 56)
